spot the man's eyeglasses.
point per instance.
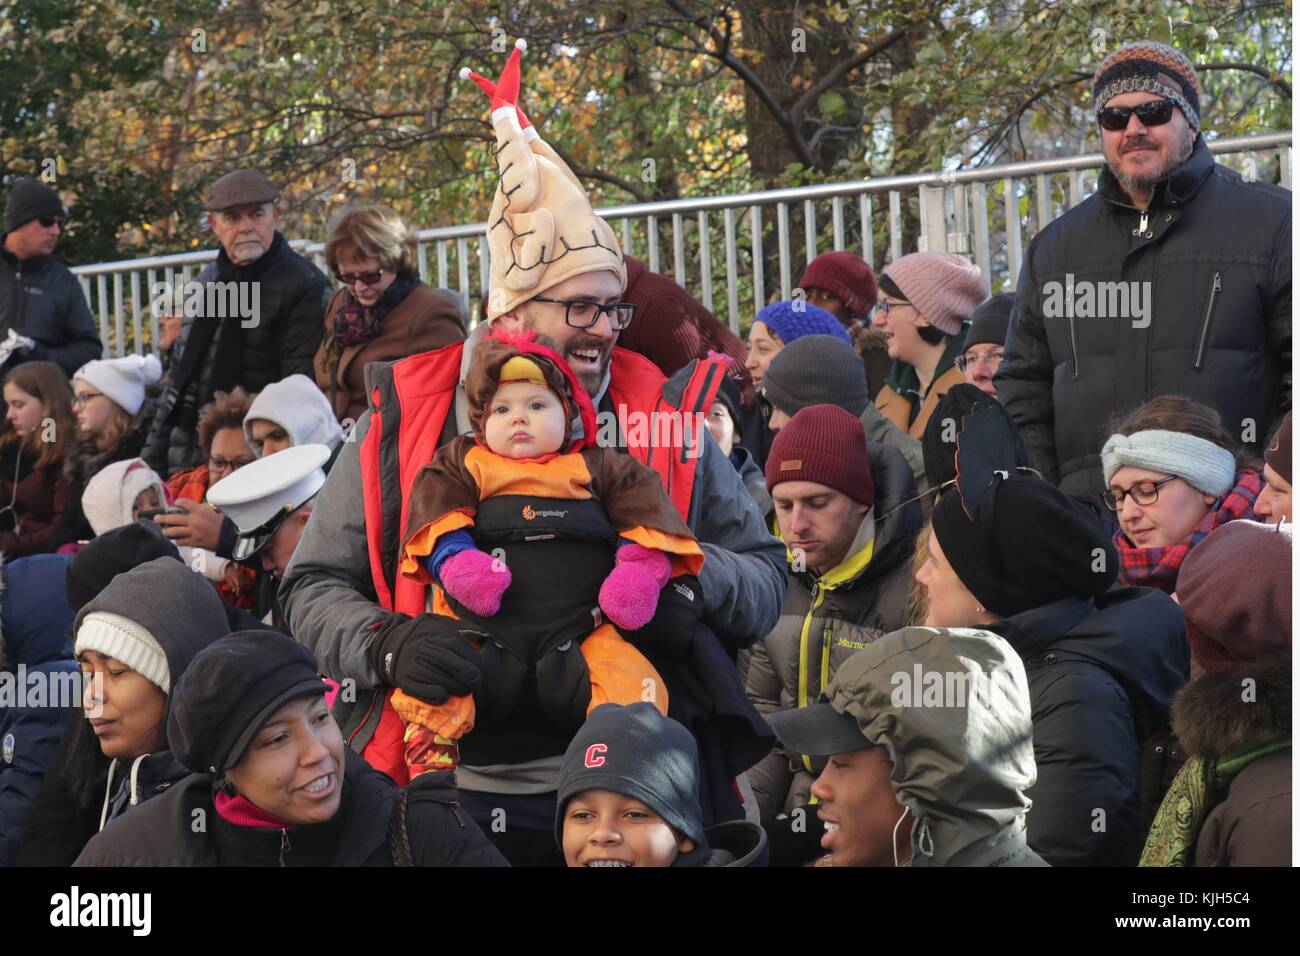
(971, 359)
(85, 398)
(1154, 113)
(228, 464)
(1143, 492)
(365, 278)
(583, 313)
(47, 221)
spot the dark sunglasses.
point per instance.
(1154, 113)
(47, 221)
(365, 278)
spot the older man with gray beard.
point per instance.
(1174, 277)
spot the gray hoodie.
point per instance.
(952, 706)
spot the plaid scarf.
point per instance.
(355, 323)
(1158, 567)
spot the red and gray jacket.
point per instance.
(411, 401)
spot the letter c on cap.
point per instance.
(595, 756)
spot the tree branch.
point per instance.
(1267, 74)
(841, 70)
(722, 53)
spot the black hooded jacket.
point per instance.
(1102, 676)
(161, 833)
(1214, 256)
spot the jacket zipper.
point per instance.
(818, 594)
(1215, 289)
(284, 846)
(1074, 346)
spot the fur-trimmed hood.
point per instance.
(1211, 717)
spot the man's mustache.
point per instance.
(1143, 143)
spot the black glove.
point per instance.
(429, 657)
(681, 605)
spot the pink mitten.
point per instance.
(630, 593)
(475, 579)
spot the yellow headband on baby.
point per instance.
(522, 369)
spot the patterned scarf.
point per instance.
(1199, 787)
(1158, 567)
(355, 323)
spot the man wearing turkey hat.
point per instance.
(1202, 257)
(556, 269)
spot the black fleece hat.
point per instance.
(1026, 545)
(111, 554)
(939, 442)
(638, 752)
(232, 688)
(729, 395)
(29, 199)
(988, 323)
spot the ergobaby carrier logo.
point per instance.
(529, 514)
(595, 756)
(74, 909)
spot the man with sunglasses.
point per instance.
(44, 315)
(1207, 250)
(218, 352)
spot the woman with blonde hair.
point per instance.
(113, 415)
(39, 433)
(383, 310)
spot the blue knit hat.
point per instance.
(792, 320)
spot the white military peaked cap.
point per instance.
(263, 493)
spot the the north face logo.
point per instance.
(528, 513)
(684, 591)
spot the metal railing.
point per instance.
(989, 213)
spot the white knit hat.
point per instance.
(298, 406)
(124, 640)
(123, 379)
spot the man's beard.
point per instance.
(1176, 159)
(590, 381)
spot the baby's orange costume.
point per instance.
(557, 519)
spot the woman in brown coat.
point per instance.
(383, 311)
(38, 432)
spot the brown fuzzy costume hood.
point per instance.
(1211, 718)
(484, 378)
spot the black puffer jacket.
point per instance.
(1216, 252)
(160, 833)
(281, 342)
(41, 299)
(1101, 677)
(85, 464)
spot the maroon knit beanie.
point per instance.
(1235, 591)
(844, 276)
(825, 444)
(1278, 452)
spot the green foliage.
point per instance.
(141, 103)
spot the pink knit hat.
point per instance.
(945, 288)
